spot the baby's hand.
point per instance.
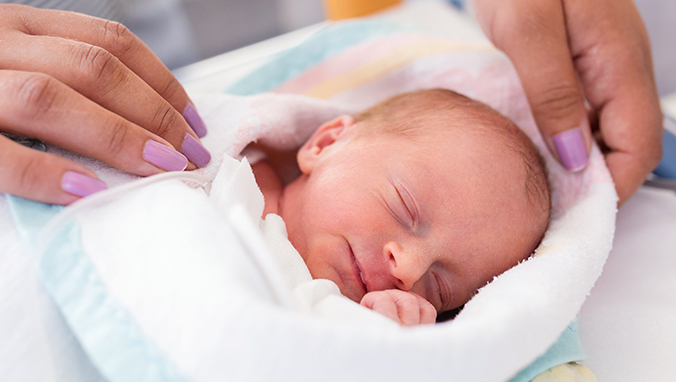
(406, 308)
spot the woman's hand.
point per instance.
(569, 51)
(90, 86)
(406, 308)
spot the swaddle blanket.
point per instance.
(167, 284)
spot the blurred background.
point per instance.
(219, 26)
(185, 31)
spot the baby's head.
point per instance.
(429, 192)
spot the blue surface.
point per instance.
(667, 167)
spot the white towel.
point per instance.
(181, 297)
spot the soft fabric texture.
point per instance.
(169, 284)
(402, 61)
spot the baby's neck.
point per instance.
(270, 185)
(280, 199)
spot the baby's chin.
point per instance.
(353, 295)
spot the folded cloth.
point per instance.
(380, 66)
(166, 283)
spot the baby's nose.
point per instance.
(406, 265)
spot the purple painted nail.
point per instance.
(164, 157)
(81, 185)
(571, 149)
(193, 149)
(194, 120)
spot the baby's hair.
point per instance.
(411, 115)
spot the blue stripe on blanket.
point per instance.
(324, 44)
(30, 217)
(105, 329)
(118, 349)
(566, 349)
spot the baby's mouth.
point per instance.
(358, 272)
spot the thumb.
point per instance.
(533, 35)
(558, 107)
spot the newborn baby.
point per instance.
(414, 204)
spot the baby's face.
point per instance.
(438, 215)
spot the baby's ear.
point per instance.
(334, 131)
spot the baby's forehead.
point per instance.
(440, 128)
(424, 119)
(437, 118)
(497, 154)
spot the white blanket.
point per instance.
(161, 285)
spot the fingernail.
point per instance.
(571, 149)
(81, 185)
(194, 120)
(193, 149)
(164, 157)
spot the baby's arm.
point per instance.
(406, 308)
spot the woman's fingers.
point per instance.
(90, 86)
(630, 127)
(533, 34)
(114, 38)
(98, 75)
(43, 177)
(614, 64)
(38, 106)
(105, 62)
(601, 45)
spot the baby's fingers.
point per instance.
(413, 309)
(428, 313)
(43, 177)
(406, 308)
(382, 303)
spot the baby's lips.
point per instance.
(373, 276)
(357, 273)
(362, 278)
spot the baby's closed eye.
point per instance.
(409, 205)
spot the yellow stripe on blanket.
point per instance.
(386, 64)
(567, 372)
